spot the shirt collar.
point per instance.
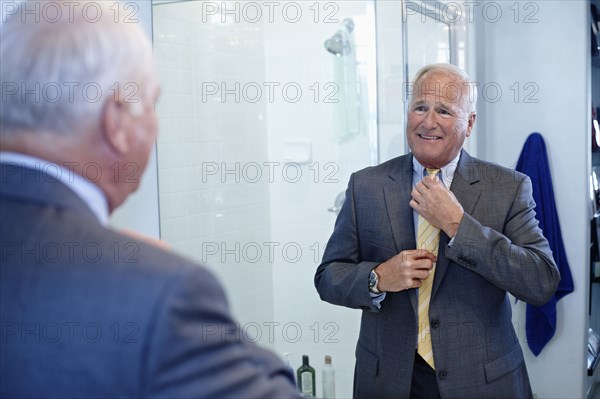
(447, 171)
(88, 192)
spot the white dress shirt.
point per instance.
(446, 176)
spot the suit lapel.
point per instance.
(464, 188)
(400, 214)
(463, 185)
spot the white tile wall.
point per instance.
(210, 217)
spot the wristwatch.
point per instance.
(373, 281)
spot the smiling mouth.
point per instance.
(430, 138)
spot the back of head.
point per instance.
(60, 61)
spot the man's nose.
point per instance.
(429, 120)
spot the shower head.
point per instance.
(339, 43)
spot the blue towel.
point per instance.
(540, 322)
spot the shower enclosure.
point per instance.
(267, 108)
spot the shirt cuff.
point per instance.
(377, 299)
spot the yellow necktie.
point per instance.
(428, 238)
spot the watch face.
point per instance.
(372, 279)
(373, 282)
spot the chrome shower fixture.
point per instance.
(339, 43)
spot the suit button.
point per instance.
(435, 323)
(442, 374)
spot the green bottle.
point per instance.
(306, 378)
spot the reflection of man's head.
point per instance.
(441, 114)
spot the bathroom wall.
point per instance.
(213, 209)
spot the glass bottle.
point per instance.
(306, 378)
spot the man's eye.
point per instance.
(444, 112)
(420, 108)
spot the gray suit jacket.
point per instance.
(89, 313)
(498, 249)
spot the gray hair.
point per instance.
(59, 66)
(469, 101)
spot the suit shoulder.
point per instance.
(491, 172)
(149, 261)
(393, 166)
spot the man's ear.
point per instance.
(114, 131)
(471, 123)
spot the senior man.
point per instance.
(428, 245)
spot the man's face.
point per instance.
(438, 122)
(130, 127)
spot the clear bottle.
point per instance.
(328, 380)
(286, 356)
(306, 378)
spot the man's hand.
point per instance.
(406, 270)
(437, 204)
